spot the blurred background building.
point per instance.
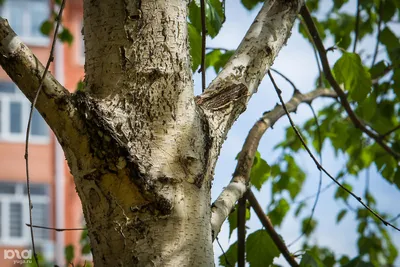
(55, 201)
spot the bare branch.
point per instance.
(55, 229)
(238, 185)
(342, 96)
(54, 101)
(270, 229)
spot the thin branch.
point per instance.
(270, 229)
(217, 48)
(241, 231)
(286, 78)
(223, 205)
(342, 96)
(55, 229)
(203, 45)
(320, 178)
(319, 166)
(28, 128)
(320, 82)
(357, 26)
(391, 131)
(378, 36)
(223, 253)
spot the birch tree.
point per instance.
(143, 148)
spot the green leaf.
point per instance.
(250, 4)
(46, 28)
(86, 249)
(195, 16)
(214, 16)
(378, 69)
(299, 209)
(357, 262)
(308, 226)
(80, 86)
(195, 46)
(337, 4)
(65, 36)
(230, 257)
(260, 249)
(278, 213)
(69, 253)
(213, 21)
(389, 39)
(212, 57)
(223, 59)
(341, 215)
(341, 193)
(310, 260)
(388, 10)
(259, 172)
(350, 71)
(232, 219)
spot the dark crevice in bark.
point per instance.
(114, 156)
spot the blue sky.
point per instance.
(296, 60)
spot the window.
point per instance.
(14, 114)
(14, 213)
(26, 17)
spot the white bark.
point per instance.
(141, 148)
(226, 201)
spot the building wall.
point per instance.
(41, 155)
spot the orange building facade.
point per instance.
(55, 201)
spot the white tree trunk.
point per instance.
(142, 149)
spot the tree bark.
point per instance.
(142, 149)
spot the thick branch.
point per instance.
(26, 71)
(238, 185)
(227, 96)
(342, 96)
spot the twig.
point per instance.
(270, 229)
(342, 96)
(223, 253)
(320, 178)
(217, 48)
(241, 231)
(319, 166)
(55, 229)
(314, 195)
(286, 78)
(320, 82)
(357, 26)
(391, 131)
(28, 128)
(378, 36)
(203, 45)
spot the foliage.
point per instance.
(371, 80)
(373, 88)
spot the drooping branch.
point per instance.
(54, 102)
(238, 185)
(270, 229)
(342, 96)
(227, 96)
